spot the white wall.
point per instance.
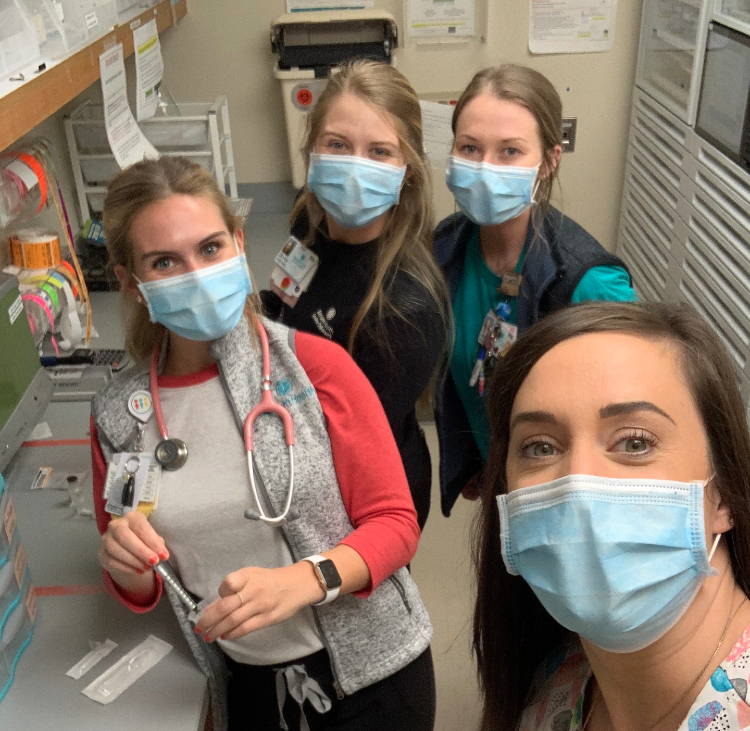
(223, 47)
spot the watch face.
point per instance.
(330, 574)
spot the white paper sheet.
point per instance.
(296, 6)
(149, 69)
(125, 137)
(436, 132)
(436, 18)
(571, 26)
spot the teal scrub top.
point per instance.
(477, 293)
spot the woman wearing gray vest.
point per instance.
(299, 572)
(509, 257)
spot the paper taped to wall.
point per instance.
(571, 26)
(128, 143)
(437, 134)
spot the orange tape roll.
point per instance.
(35, 249)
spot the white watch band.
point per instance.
(331, 594)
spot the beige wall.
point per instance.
(223, 47)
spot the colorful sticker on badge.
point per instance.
(141, 405)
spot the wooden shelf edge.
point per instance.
(32, 103)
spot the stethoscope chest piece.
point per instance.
(171, 454)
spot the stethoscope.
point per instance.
(172, 453)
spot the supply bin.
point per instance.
(16, 634)
(19, 45)
(310, 45)
(17, 597)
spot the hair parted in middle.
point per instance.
(406, 241)
(513, 633)
(534, 91)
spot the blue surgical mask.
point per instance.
(490, 194)
(352, 190)
(616, 561)
(201, 305)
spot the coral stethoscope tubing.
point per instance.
(267, 405)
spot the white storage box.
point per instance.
(83, 21)
(19, 45)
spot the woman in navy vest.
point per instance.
(509, 257)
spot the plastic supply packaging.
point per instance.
(16, 636)
(99, 650)
(113, 682)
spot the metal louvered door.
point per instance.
(657, 181)
(716, 242)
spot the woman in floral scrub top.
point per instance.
(614, 548)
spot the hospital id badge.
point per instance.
(297, 260)
(288, 289)
(503, 337)
(132, 483)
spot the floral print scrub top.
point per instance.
(558, 691)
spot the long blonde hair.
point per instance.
(406, 242)
(129, 192)
(534, 91)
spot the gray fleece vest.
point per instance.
(367, 639)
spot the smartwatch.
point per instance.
(328, 577)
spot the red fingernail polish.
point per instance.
(140, 571)
(154, 560)
(147, 567)
(206, 637)
(164, 555)
(198, 630)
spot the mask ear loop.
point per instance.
(713, 548)
(718, 535)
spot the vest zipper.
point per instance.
(400, 588)
(270, 509)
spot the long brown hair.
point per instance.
(512, 631)
(129, 192)
(406, 242)
(532, 90)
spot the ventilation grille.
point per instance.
(649, 277)
(638, 193)
(725, 172)
(669, 196)
(660, 141)
(708, 287)
(654, 243)
(731, 202)
(652, 111)
(655, 158)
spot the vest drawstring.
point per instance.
(301, 687)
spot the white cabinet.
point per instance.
(734, 13)
(685, 226)
(669, 63)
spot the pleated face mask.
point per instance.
(490, 194)
(204, 304)
(617, 561)
(354, 190)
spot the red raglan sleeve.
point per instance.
(99, 474)
(366, 459)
